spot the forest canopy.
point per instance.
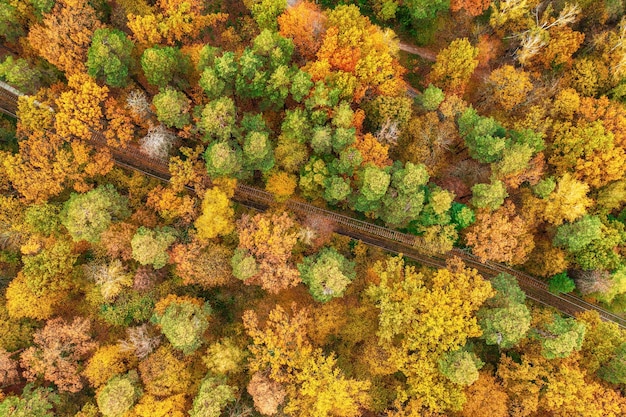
(172, 185)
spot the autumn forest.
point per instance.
(174, 175)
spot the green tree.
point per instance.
(431, 98)
(484, 136)
(296, 125)
(34, 402)
(266, 12)
(426, 9)
(327, 274)
(576, 236)
(20, 75)
(150, 246)
(559, 337)
(42, 218)
(164, 65)
(544, 187)
(460, 367)
(277, 87)
(244, 265)
(489, 196)
(337, 189)
(561, 283)
(258, 153)
(404, 199)
(312, 178)
(172, 108)
(183, 321)
(301, 85)
(224, 159)
(349, 160)
(373, 184)
(461, 215)
(119, 394)
(212, 397)
(218, 119)
(614, 371)
(10, 26)
(504, 318)
(87, 215)
(211, 83)
(109, 56)
(252, 76)
(321, 140)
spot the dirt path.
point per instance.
(425, 53)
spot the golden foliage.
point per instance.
(163, 375)
(270, 238)
(510, 87)
(23, 301)
(172, 205)
(485, 398)
(106, 362)
(568, 201)
(64, 35)
(217, 218)
(304, 24)
(501, 236)
(176, 21)
(372, 151)
(282, 185)
(80, 108)
(202, 263)
(455, 65)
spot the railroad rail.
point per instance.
(379, 236)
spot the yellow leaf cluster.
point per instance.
(567, 202)
(64, 35)
(171, 205)
(176, 21)
(80, 109)
(22, 301)
(106, 362)
(217, 218)
(282, 185)
(314, 385)
(270, 238)
(455, 65)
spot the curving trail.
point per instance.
(382, 237)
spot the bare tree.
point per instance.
(140, 341)
(158, 142)
(138, 103)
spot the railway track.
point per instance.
(382, 237)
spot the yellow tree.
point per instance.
(357, 55)
(217, 218)
(202, 263)
(174, 21)
(509, 87)
(567, 202)
(64, 35)
(312, 382)
(266, 242)
(303, 23)
(485, 398)
(172, 205)
(588, 151)
(80, 109)
(454, 66)
(423, 318)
